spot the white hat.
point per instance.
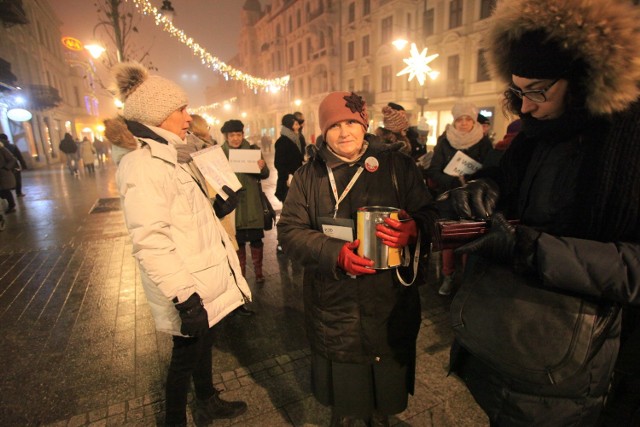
(464, 109)
(147, 99)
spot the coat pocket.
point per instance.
(211, 272)
(526, 332)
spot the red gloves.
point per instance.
(351, 262)
(398, 234)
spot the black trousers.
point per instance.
(190, 358)
(6, 194)
(18, 182)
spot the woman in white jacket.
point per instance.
(190, 271)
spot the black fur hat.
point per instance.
(232, 126)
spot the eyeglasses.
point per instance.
(535, 95)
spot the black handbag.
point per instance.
(524, 331)
(268, 213)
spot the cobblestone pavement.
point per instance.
(79, 345)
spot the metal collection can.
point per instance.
(371, 247)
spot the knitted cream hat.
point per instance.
(464, 109)
(394, 120)
(339, 106)
(147, 99)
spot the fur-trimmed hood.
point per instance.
(603, 34)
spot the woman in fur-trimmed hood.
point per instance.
(537, 319)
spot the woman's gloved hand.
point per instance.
(474, 200)
(225, 207)
(351, 262)
(398, 234)
(506, 244)
(497, 244)
(195, 321)
(185, 150)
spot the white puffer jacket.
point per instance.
(180, 245)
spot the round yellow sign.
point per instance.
(72, 43)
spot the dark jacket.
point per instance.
(16, 153)
(287, 160)
(546, 181)
(68, 145)
(354, 320)
(249, 209)
(442, 155)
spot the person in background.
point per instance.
(8, 164)
(395, 121)
(512, 130)
(486, 126)
(249, 218)
(190, 273)
(265, 143)
(541, 300)
(289, 154)
(200, 128)
(494, 156)
(87, 154)
(361, 323)
(465, 135)
(300, 118)
(418, 144)
(70, 149)
(15, 151)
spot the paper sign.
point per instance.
(215, 168)
(244, 161)
(461, 164)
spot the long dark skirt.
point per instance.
(249, 234)
(356, 390)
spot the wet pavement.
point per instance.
(79, 345)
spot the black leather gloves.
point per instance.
(225, 207)
(498, 243)
(195, 321)
(506, 244)
(474, 200)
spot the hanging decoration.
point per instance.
(204, 108)
(418, 65)
(228, 72)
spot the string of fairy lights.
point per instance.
(228, 72)
(211, 107)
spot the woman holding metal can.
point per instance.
(362, 323)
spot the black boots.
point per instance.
(216, 408)
(256, 255)
(242, 257)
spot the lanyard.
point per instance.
(334, 188)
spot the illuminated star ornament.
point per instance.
(418, 65)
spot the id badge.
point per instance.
(338, 228)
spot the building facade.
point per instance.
(328, 45)
(54, 84)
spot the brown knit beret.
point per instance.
(339, 106)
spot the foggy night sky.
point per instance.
(214, 24)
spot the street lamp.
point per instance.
(95, 50)
(399, 44)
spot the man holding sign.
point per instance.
(459, 153)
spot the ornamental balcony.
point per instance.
(43, 97)
(12, 13)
